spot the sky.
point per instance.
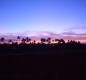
(56, 16)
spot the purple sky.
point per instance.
(63, 17)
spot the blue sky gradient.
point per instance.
(42, 15)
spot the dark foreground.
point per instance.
(56, 64)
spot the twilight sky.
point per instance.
(57, 16)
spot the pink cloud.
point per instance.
(45, 34)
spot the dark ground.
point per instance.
(53, 63)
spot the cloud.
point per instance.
(78, 30)
(75, 33)
(67, 35)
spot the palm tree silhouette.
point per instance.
(56, 40)
(43, 40)
(23, 40)
(68, 41)
(48, 40)
(18, 38)
(2, 39)
(62, 41)
(28, 40)
(34, 42)
(10, 41)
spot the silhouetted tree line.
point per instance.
(27, 46)
(28, 40)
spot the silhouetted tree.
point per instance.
(68, 41)
(56, 40)
(28, 40)
(48, 40)
(2, 39)
(62, 41)
(10, 41)
(18, 38)
(52, 40)
(23, 40)
(43, 40)
(34, 42)
(79, 42)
